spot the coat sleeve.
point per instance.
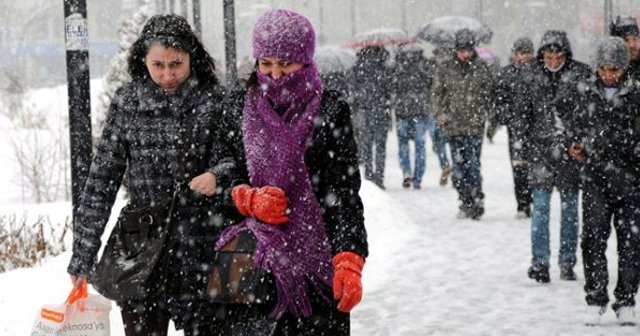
(439, 92)
(101, 187)
(337, 182)
(227, 160)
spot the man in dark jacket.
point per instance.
(606, 140)
(371, 99)
(549, 163)
(626, 27)
(509, 113)
(462, 94)
(412, 78)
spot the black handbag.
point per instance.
(131, 263)
(235, 279)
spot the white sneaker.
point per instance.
(626, 316)
(593, 314)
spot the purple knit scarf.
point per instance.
(298, 252)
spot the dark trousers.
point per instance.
(151, 321)
(466, 178)
(599, 210)
(254, 321)
(373, 150)
(520, 168)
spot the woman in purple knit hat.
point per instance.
(302, 201)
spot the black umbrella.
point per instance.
(441, 31)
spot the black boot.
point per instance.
(539, 273)
(567, 273)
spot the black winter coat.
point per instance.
(609, 130)
(509, 111)
(333, 167)
(412, 80)
(144, 132)
(332, 162)
(370, 87)
(550, 164)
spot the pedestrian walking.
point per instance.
(163, 127)
(301, 201)
(413, 77)
(626, 27)
(462, 94)
(606, 141)
(371, 85)
(509, 113)
(550, 166)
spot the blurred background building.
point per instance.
(32, 35)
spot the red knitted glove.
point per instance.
(347, 283)
(268, 204)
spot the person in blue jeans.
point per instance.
(550, 166)
(413, 75)
(439, 145)
(466, 177)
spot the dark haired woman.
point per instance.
(302, 203)
(164, 126)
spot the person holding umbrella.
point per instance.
(462, 95)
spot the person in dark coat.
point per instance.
(550, 166)
(462, 94)
(626, 27)
(605, 137)
(508, 113)
(163, 127)
(413, 77)
(301, 200)
(371, 85)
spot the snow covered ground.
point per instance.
(428, 273)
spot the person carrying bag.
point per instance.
(301, 201)
(162, 128)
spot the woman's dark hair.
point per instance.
(252, 81)
(171, 31)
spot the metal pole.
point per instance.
(404, 15)
(321, 21)
(77, 49)
(230, 41)
(479, 10)
(184, 11)
(352, 11)
(608, 15)
(197, 18)
(172, 6)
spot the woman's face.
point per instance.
(168, 67)
(276, 68)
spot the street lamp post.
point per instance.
(77, 54)
(230, 41)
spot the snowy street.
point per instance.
(428, 273)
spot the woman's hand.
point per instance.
(77, 280)
(205, 184)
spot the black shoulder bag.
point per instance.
(128, 266)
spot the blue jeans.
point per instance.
(466, 177)
(412, 128)
(439, 141)
(540, 227)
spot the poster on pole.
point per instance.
(76, 32)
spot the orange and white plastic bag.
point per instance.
(81, 315)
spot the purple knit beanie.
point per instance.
(284, 34)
